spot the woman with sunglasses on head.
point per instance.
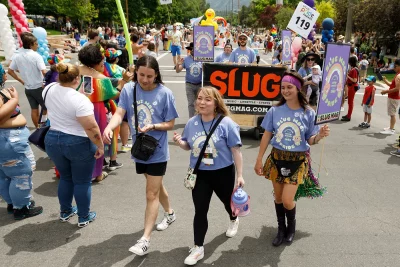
(309, 60)
(292, 122)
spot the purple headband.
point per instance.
(292, 80)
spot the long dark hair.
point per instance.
(148, 62)
(300, 95)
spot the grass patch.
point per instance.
(389, 77)
(53, 32)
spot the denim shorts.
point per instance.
(175, 49)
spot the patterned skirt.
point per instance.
(297, 177)
(309, 186)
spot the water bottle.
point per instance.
(240, 203)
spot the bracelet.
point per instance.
(154, 126)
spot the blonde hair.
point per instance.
(220, 107)
(67, 72)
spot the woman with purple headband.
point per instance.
(289, 128)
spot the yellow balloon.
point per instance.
(210, 14)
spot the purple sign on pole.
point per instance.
(286, 47)
(203, 43)
(333, 81)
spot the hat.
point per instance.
(371, 79)
(190, 47)
(310, 54)
(316, 67)
(242, 34)
(56, 58)
(112, 53)
(341, 37)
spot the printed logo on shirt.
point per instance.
(243, 58)
(145, 111)
(288, 134)
(195, 69)
(198, 140)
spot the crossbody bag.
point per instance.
(190, 179)
(145, 145)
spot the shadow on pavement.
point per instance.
(376, 135)
(176, 256)
(393, 160)
(267, 255)
(44, 164)
(106, 253)
(5, 218)
(31, 238)
(48, 189)
(356, 128)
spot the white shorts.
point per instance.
(392, 105)
(367, 109)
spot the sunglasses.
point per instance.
(310, 59)
(242, 39)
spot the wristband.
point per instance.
(154, 126)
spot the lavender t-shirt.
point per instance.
(225, 136)
(291, 128)
(153, 107)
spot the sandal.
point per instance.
(101, 177)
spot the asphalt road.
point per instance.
(355, 224)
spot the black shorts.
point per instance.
(153, 169)
(125, 118)
(35, 98)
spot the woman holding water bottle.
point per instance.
(217, 170)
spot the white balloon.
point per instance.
(3, 10)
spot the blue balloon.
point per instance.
(39, 33)
(45, 41)
(82, 42)
(328, 24)
(46, 54)
(41, 50)
(331, 32)
(324, 32)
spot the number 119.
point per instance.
(303, 23)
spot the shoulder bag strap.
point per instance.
(135, 109)
(44, 102)
(203, 149)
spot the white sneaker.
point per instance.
(341, 109)
(126, 148)
(167, 220)
(196, 254)
(141, 247)
(233, 228)
(388, 132)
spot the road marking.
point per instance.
(173, 81)
(161, 56)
